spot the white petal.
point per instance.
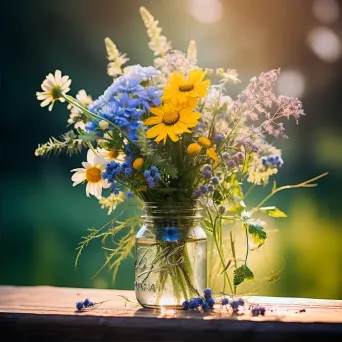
(99, 160)
(46, 102)
(105, 184)
(90, 157)
(86, 165)
(41, 96)
(97, 190)
(78, 169)
(58, 76)
(66, 84)
(79, 176)
(51, 106)
(88, 189)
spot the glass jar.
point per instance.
(171, 255)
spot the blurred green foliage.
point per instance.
(43, 217)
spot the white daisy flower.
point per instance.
(115, 155)
(53, 86)
(92, 173)
(76, 116)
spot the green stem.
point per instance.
(219, 251)
(247, 244)
(306, 184)
(232, 246)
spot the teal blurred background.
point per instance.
(43, 217)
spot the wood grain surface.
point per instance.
(46, 313)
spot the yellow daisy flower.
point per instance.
(171, 120)
(53, 86)
(203, 141)
(110, 155)
(194, 149)
(186, 90)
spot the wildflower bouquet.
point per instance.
(183, 148)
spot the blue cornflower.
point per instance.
(208, 167)
(204, 189)
(235, 305)
(150, 182)
(153, 170)
(197, 193)
(147, 174)
(210, 188)
(205, 306)
(211, 302)
(157, 176)
(206, 173)
(200, 300)
(114, 188)
(170, 234)
(215, 180)
(225, 155)
(241, 302)
(129, 194)
(79, 306)
(185, 305)
(193, 304)
(225, 301)
(219, 138)
(207, 293)
(128, 171)
(87, 303)
(222, 209)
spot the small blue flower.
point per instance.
(241, 302)
(225, 301)
(153, 170)
(204, 189)
(219, 138)
(147, 174)
(200, 300)
(225, 155)
(235, 305)
(262, 311)
(210, 188)
(170, 234)
(206, 173)
(197, 193)
(150, 182)
(255, 312)
(211, 302)
(207, 293)
(272, 161)
(205, 306)
(87, 303)
(231, 163)
(79, 306)
(128, 171)
(129, 194)
(186, 305)
(193, 304)
(208, 167)
(215, 180)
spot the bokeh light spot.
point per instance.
(206, 11)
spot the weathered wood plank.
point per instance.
(48, 313)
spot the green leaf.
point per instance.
(208, 224)
(217, 197)
(227, 266)
(241, 274)
(273, 211)
(257, 232)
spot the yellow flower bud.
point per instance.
(204, 141)
(138, 163)
(194, 149)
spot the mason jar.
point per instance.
(170, 255)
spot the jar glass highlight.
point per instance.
(171, 255)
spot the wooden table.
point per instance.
(45, 313)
